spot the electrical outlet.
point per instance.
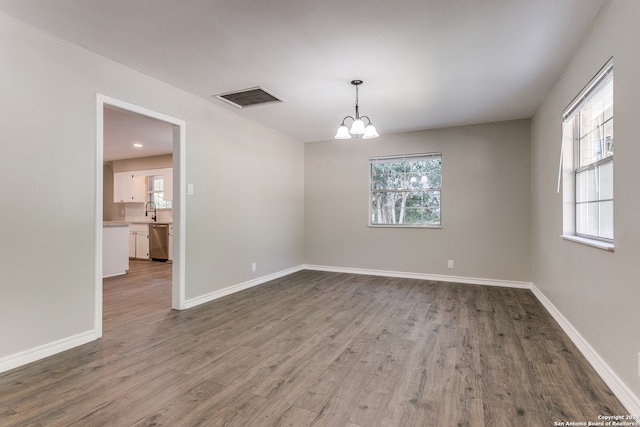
(253, 266)
(450, 264)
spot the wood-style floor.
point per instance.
(313, 348)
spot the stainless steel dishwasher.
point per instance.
(159, 242)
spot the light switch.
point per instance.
(189, 188)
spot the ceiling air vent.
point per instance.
(248, 97)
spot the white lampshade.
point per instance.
(370, 132)
(343, 133)
(357, 128)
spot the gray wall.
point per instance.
(248, 181)
(142, 163)
(485, 204)
(597, 291)
(110, 211)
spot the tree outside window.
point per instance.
(406, 190)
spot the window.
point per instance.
(405, 190)
(588, 129)
(156, 192)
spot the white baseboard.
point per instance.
(15, 360)
(239, 287)
(113, 275)
(617, 386)
(423, 276)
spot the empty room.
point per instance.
(334, 213)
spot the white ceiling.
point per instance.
(425, 63)
(123, 128)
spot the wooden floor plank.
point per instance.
(313, 349)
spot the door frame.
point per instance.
(179, 208)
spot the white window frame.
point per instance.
(168, 204)
(575, 226)
(414, 186)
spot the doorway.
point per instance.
(178, 162)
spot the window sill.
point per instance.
(589, 242)
(405, 226)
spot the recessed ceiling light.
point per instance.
(137, 145)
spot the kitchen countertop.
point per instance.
(123, 223)
(115, 224)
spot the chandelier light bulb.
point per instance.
(343, 133)
(370, 132)
(357, 128)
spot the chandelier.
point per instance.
(357, 127)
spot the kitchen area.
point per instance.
(138, 219)
(137, 191)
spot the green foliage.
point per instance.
(406, 192)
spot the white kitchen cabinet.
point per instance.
(129, 187)
(120, 183)
(132, 244)
(114, 249)
(142, 245)
(139, 241)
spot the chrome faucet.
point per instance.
(154, 210)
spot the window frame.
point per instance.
(402, 158)
(168, 204)
(573, 228)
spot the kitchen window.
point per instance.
(588, 150)
(405, 190)
(156, 192)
